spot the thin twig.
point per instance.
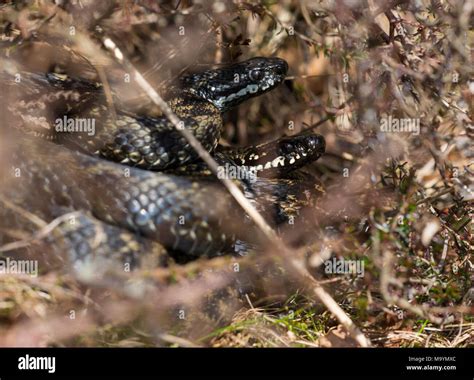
(24, 213)
(434, 196)
(306, 76)
(177, 340)
(40, 234)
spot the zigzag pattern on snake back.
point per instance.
(111, 176)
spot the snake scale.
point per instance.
(135, 183)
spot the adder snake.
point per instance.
(136, 179)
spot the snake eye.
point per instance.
(256, 75)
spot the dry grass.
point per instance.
(400, 203)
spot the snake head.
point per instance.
(281, 156)
(302, 149)
(289, 153)
(231, 85)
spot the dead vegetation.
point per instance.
(389, 85)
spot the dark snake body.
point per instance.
(133, 207)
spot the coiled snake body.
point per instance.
(129, 201)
